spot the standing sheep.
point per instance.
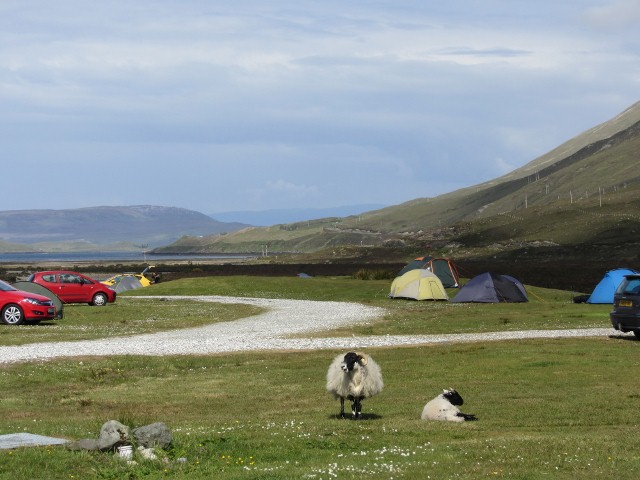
(354, 376)
(443, 407)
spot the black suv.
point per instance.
(626, 306)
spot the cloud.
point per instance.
(289, 193)
(614, 15)
(291, 188)
(263, 104)
(487, 52)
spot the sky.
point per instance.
(220, 106)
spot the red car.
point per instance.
(20, 307)
(73, 287)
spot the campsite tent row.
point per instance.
(426, 278)
(422, 279)
(487, 287)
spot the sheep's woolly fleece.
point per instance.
(270, 330)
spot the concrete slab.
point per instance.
(15, 440)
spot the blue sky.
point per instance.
(252, 105)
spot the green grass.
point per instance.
(547, 408)
(544, 408)
(124, 317)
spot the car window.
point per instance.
(629, 286)
(5, 287)
(70, 278)
(51, 278)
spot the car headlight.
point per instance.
(35, 301)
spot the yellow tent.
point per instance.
(419, 284)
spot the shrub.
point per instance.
(366, 274)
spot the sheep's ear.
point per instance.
(363, 359)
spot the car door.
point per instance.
(71, 288)
(52, 282)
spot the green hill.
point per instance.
(580, 197)
(102, 228)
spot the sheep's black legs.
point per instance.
(467, 416)
(356, 407)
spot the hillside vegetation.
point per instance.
(579, 197)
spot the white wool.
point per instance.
(363, 381)
(441, 409)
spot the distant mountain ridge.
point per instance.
(139, 224)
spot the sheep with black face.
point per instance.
(354, 376)
(445, 407)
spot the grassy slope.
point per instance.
(599, 165)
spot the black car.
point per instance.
(626, 306)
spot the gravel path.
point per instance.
(267, 331)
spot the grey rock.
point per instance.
(112, 435)
(154, 435)
(88, 444)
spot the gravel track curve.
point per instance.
(267, 331)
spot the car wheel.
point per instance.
(99, 300)
(12, 315)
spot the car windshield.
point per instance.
(5, 287)
(630, 285)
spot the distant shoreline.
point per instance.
(14, 259)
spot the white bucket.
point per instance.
(126, 452)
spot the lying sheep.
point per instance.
(354, 376)
(443, 407)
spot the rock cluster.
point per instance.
(114, 434)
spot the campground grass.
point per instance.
(546, 309)
(547, 408)
(124, 317)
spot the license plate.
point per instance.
(51, 311)
(625, 303)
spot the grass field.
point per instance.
(547, 408)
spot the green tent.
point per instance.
(444, 268)
(40, 290)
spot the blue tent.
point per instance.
(603, 293)
(492, 288)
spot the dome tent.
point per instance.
(492, 288)
(603, 293)
(127, 282)
(41, 290)
(444, 268)
(419, 284)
